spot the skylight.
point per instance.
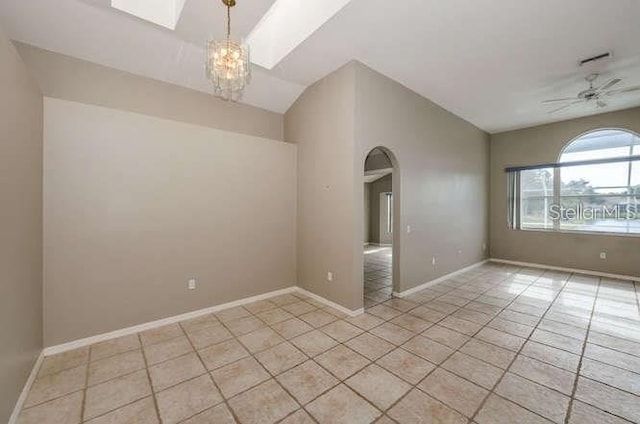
(160, 12)
(286, 25)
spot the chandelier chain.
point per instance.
(228, 21)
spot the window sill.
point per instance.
(586, 233)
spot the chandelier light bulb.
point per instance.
(228, 63)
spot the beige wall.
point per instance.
(68, 78)
(442, 180)
(321, 122)
(376, 232)
(543, 144)
(441, 184)
(136, 205)
(20, 225)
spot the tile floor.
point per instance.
(377, 275)
(497, 344)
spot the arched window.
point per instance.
(601, 144)
(594, 187)
(603, 187)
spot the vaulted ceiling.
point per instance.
(491, 62)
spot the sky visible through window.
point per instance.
(609, 143)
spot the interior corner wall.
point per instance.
(441, 188)
(543, 144)
(20, 225)
(136, 205)
(321, 123)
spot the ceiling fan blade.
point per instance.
(623, 90)
(561, 108)
(610, 84)
(566, 99)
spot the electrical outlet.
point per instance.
(329, 276)
(603, 255)
(408, 229)
(459, 251)
(484, 247)
(433, 261)
(192, 284)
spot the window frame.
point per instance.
(522, 199)
(389, 223)
(557, 185)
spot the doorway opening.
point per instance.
(378, 227)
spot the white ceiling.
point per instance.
(92, 30)
(491, 62)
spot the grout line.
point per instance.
(125, 404)
(146, 367)
(116, 354)
(439, 294)
(253, 354)
(309, 358)
(606, 412)
(515, 357)
(559, 291)
(86, 386)
(415, 386)
(584, 347)
(487, 325)
(505, 370)
(64, 347)
(306, 332)
(233, 336)
(208, 373)
(102, 414)
(482, 293)
(578, 375)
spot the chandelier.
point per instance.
(228, 64)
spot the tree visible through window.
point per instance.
(537, 198)
(595, 187)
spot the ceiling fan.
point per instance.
(595, 95)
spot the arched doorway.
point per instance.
(380, 222)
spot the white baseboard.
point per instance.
(560, 268)
(13, 419)
(52, 350)
(438, 280)
(327, 302)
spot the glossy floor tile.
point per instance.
(377, 274)
(497, 344)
